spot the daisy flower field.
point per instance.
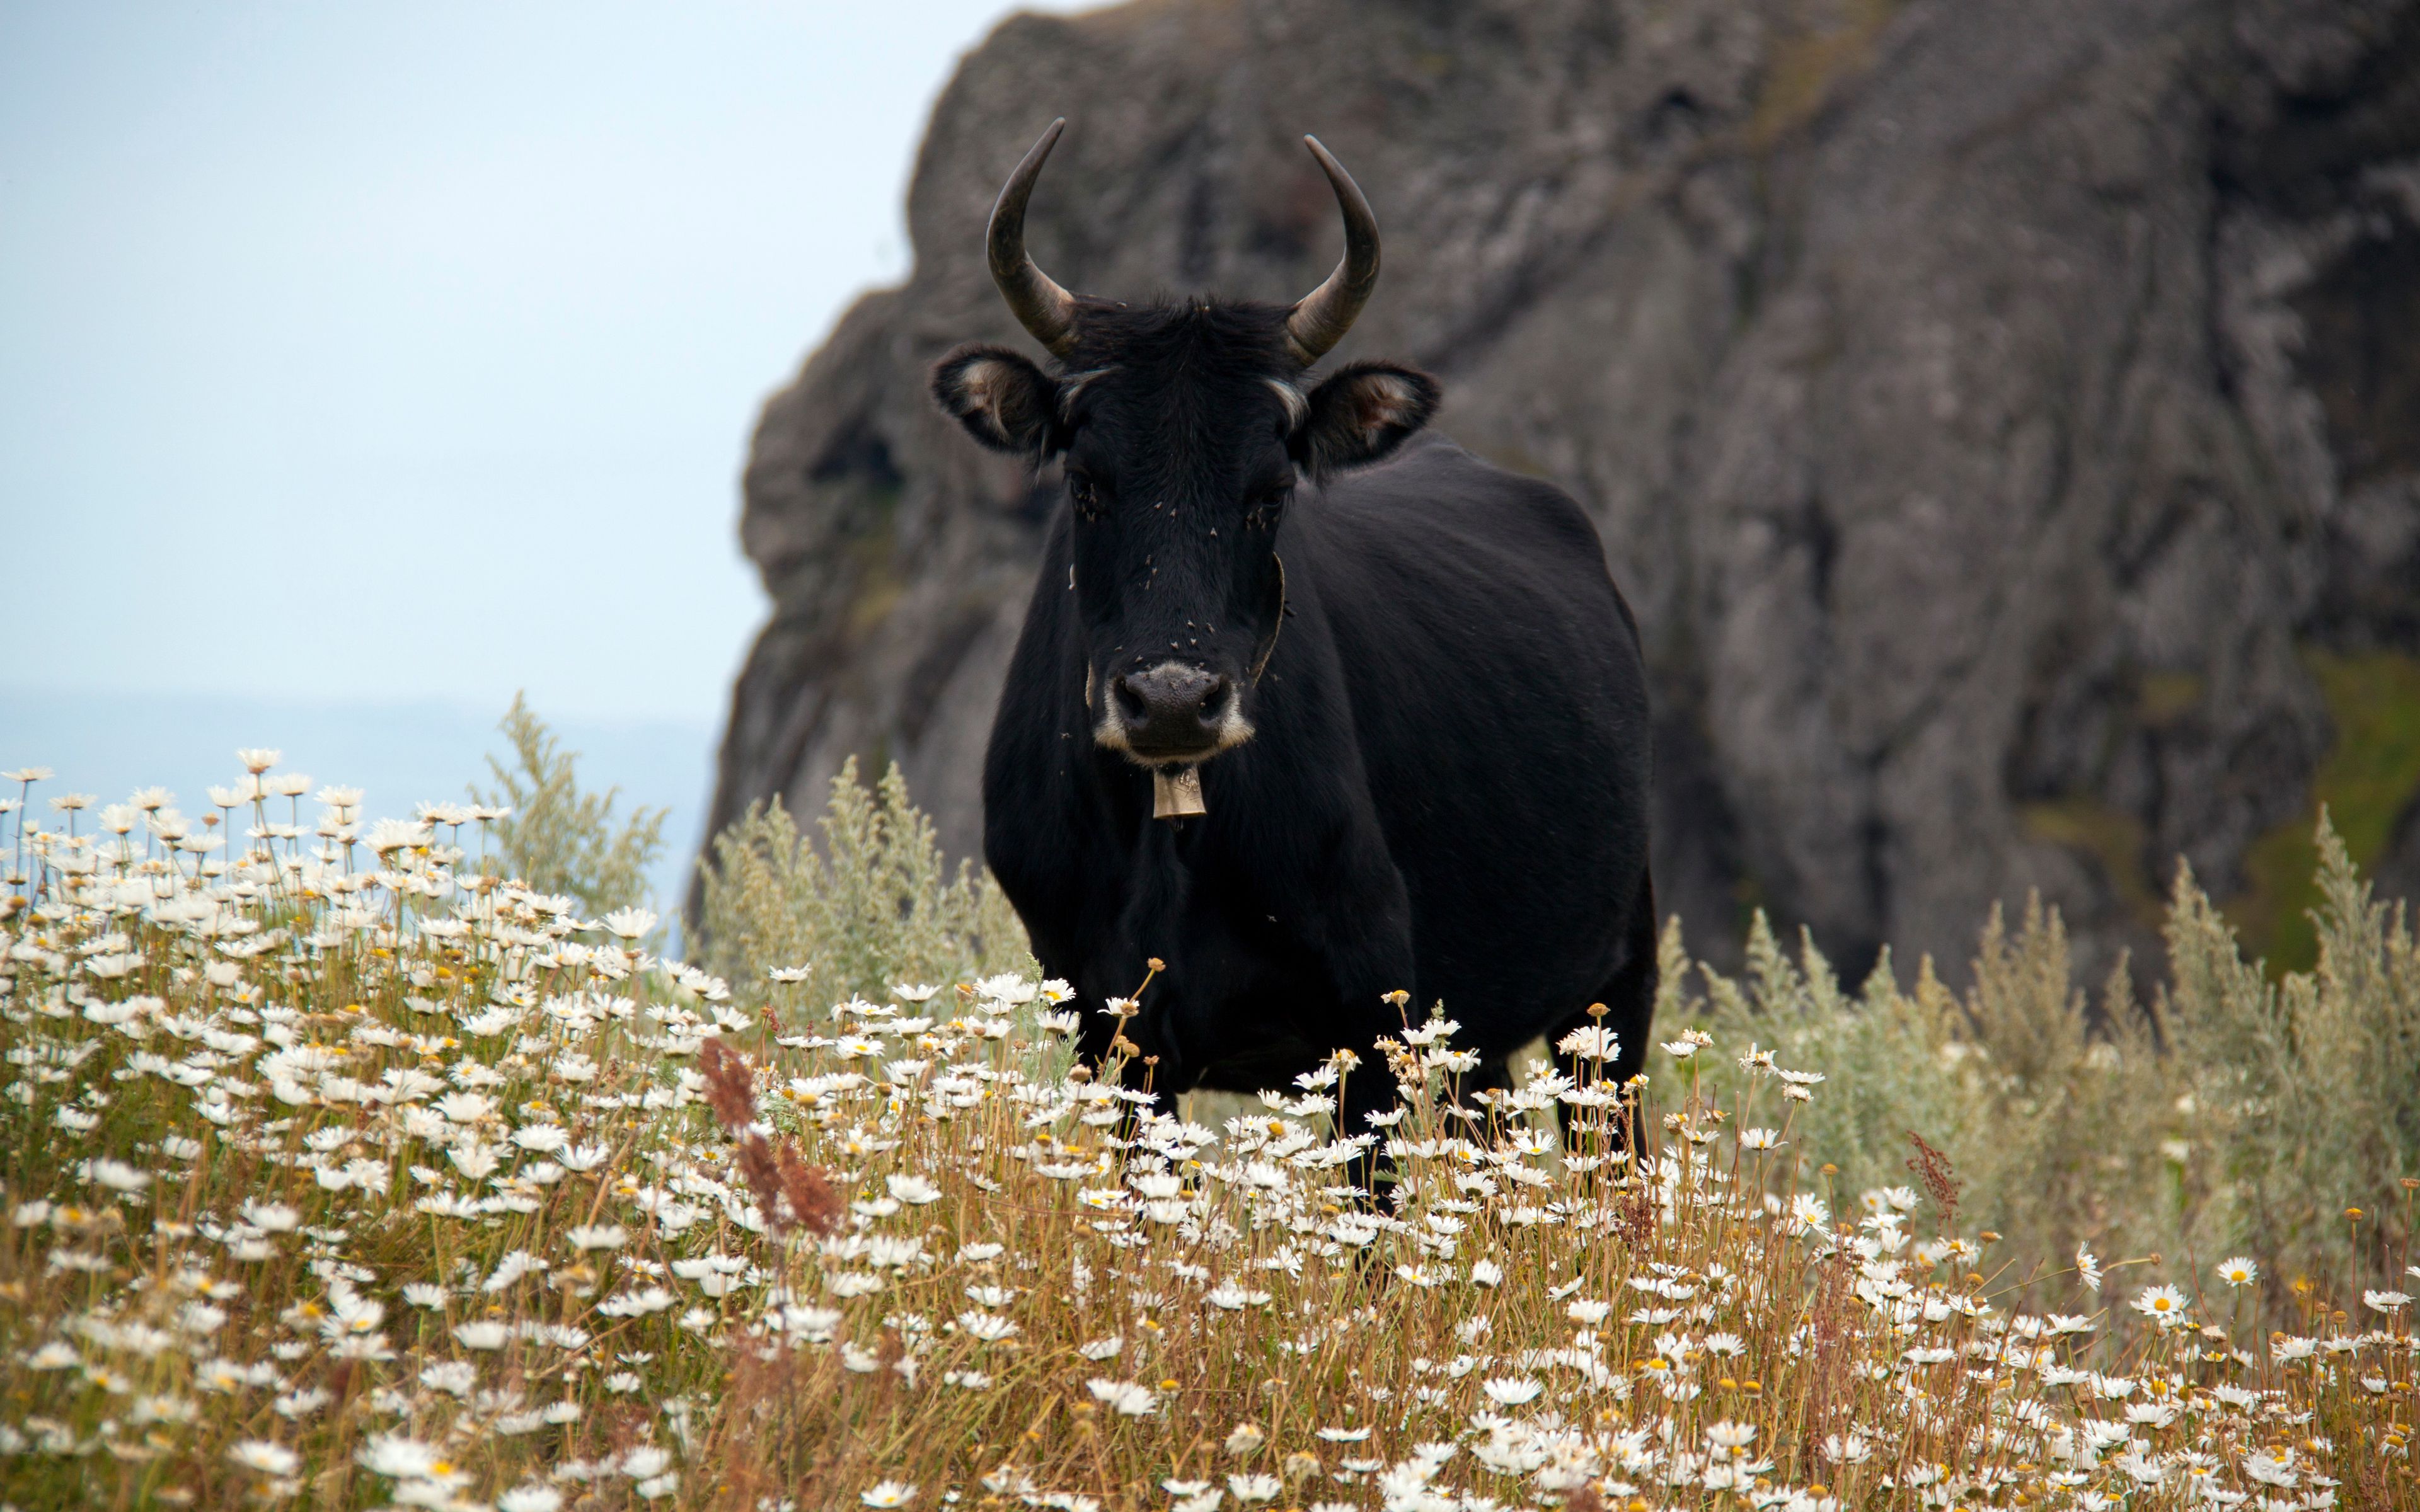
(346, 1170)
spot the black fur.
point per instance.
(1447, 790)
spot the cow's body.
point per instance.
(1446, 795)
(1406, 689)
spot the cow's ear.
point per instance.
(1361, 413)
(1003, 400)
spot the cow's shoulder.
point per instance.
(1441, 520)
(1436, 487)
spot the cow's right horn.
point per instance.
(1040, 305)
(1322, 317)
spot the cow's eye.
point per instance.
(1264, 505)
(1087, 499)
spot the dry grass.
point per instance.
(340, 1175)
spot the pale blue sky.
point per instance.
(362, 363)
(396, 352)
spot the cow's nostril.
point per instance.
(1173, 707)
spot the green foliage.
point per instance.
(2371, 773)
(874, 906)
(558, 839)
(2308, 1088)
(2233, 1112)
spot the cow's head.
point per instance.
(1183, 426)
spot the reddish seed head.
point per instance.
(791, 1193)
(814, 1205)
(730, 1084)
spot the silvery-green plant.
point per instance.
(873, 906)
(557, 838)
(2233, 1111)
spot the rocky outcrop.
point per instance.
(1991, 408)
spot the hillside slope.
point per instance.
(1999, 411)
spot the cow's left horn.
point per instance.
(1040, 305)
(1322, 317)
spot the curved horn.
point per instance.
(1320, 319)
(1040, 305)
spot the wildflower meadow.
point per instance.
(347, 1168)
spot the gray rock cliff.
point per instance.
(1996, 411)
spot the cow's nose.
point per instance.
(1173, 709)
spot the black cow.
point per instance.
(1309, 714)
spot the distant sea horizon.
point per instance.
(399, 752)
